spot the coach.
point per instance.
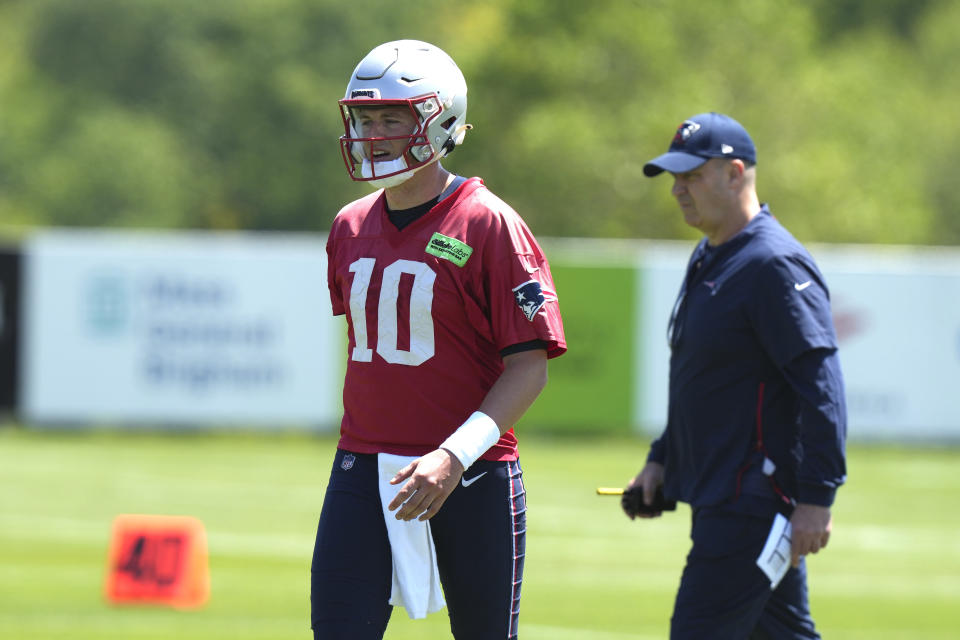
(756, 417)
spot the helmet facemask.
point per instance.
(416, 154)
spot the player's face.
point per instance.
(704, 195)
(384, 122)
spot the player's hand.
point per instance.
(430, 479)
(811, 530)
(646, 481)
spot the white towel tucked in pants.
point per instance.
(416, 580)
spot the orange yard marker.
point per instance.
(158, 560)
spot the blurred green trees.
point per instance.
(222, 114)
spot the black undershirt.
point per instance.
(401, 218)
(404, 217)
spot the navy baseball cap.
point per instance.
(699, 138)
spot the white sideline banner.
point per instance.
(193, 329)
(897, 315)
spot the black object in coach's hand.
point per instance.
(632, 502)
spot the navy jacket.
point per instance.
(756, 402)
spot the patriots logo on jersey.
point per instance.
(529, 297)
(687, 129)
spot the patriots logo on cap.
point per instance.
(685, 130)
(529, 297)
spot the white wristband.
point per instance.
(472, 439)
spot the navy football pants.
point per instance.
(479, 534)
(723, 595)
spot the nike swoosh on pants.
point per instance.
(469, 482)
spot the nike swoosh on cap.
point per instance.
(800, 286)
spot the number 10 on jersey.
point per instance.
(421, 312)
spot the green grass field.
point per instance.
(892, 569)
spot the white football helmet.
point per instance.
(420, 77)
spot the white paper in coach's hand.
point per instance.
(774, 560)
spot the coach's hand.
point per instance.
(647, 481)
(430, 480)
(811, 530)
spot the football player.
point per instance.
(452, 315)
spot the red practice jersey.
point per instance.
(429, 309)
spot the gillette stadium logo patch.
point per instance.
(449, 249)
(529, 297)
